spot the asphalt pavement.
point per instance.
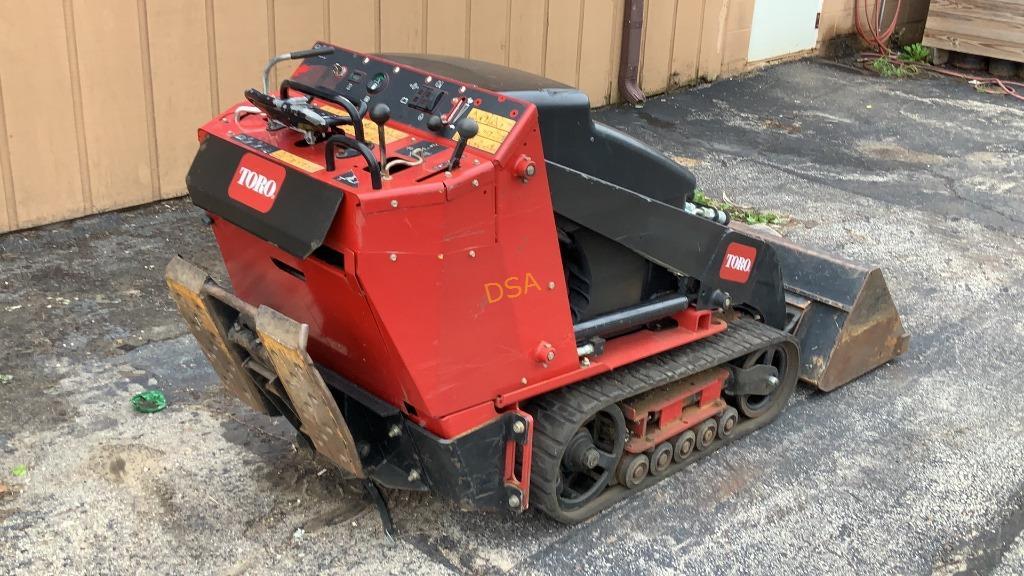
(915, 468)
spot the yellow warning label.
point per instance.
(370, 133)
(494, 130)
(369, 128)
(492, 133)
(486, 118)
(297, 161)
(481, 143)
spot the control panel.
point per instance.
(414, 98)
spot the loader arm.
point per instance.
(686, 244)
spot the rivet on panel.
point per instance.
(394, 257)
(551, 285)
(440, 256)
(394, 203)
(476, 183)
(472, 253)
(523, 381)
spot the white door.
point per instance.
(783, 27)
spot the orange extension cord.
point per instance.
(878, 38)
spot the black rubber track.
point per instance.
(559, 414)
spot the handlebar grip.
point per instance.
(322, 51)
(355, 114)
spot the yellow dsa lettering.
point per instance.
(511, 288)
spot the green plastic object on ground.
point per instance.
(149, 401)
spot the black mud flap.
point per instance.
(294, 213)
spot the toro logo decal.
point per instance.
(737, 263)
(256, 183)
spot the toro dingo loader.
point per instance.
(449, 278)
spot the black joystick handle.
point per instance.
(467, 129)
(380, 114)
(435, 124)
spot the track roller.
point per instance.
(683, 445)
(661, 458)
(633, 470)
(727, 422)
(706, 431)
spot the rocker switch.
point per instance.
(426, 99)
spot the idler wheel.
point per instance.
(591, 457)
(754, 405)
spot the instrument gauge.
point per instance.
(377, 83)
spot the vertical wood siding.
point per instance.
(100, 99)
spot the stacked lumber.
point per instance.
(992, 28)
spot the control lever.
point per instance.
(380, 114)
(300, 55)
(467, 129)
(435, 124)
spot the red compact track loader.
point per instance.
(447, 277)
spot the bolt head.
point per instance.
(773, 380)
(551, 285)
(395, 431)
(591, 458)
(414, 475)
(472, 253)
(523, 381)
(394, 203)
(585, 362)
(393, 257)
(551, 355)
(518, 427)
(476, 183)
(514, 501)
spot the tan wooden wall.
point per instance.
(100, 99)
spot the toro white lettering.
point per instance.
(738, 263)
(257, 182)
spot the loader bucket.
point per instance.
(840, 311)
